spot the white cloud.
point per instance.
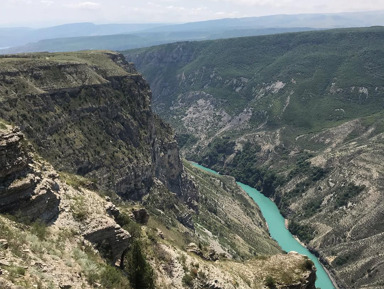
(21, 1)
(19, 12)
(47, 2)
(85, 5)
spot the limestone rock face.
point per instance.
(89, 113)
(26, 186)
(32, 190)
(106, 234)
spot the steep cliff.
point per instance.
(26, 186)
(39, 204)
(89, 114)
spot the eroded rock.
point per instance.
(26, 185)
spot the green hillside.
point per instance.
(317, 69)
(296, 115)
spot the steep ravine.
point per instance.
(88, 171)
(298, 116)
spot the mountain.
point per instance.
(23, 35)
(138, 40)
(86, 36)
(298, 116)
(319, 21)
(93, 192)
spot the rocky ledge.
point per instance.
(31, 190)
(26, 187)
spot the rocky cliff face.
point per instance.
(27, 187)
(90, 114)
(343, 210)
(32, 191)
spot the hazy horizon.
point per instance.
(44, 13)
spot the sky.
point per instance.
(38, 13)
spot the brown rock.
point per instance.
(25, 187)
(141, 216)
(4, 244)
(106, 234)
(160, 234)
(193, 248)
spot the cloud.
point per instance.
(272, 3)
(20, 1)
(85, 5)
(47, 2)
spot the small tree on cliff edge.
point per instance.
(140, 273)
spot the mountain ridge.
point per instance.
(295, 115)
(72, 37)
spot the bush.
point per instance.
(112, 278)
(307, 265)
(341, 260)
(348, 192)
(123, 219)
(39, 229)
(270, 282)
(187, 280)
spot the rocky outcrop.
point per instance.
(32, 190)
(89, 114)
(108, 237)
(285, 271)
(140, 216)
(26, 188)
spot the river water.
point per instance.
(279, 232)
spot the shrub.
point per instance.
(39, 229)
(307, 265)
(270, 282)
(304, 232)
(341, 260)
(187, 280)
(113, 278)
(348, 192)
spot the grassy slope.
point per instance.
(313, 143)
(314, 60)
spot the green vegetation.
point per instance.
(79, 209)
(270, 282)
(341, 260)
(221, 205)
(139, 272)
(303, 232)
(217, 152)
(76, 181)
(244, 166)
(312, 207)
(188, 280)
(186, 140)
(346, 193)
(307, 265)
(2, 126)
(319, 67)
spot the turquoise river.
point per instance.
(278, 231)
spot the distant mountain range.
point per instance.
(85, 36)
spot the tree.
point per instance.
(140, 273)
